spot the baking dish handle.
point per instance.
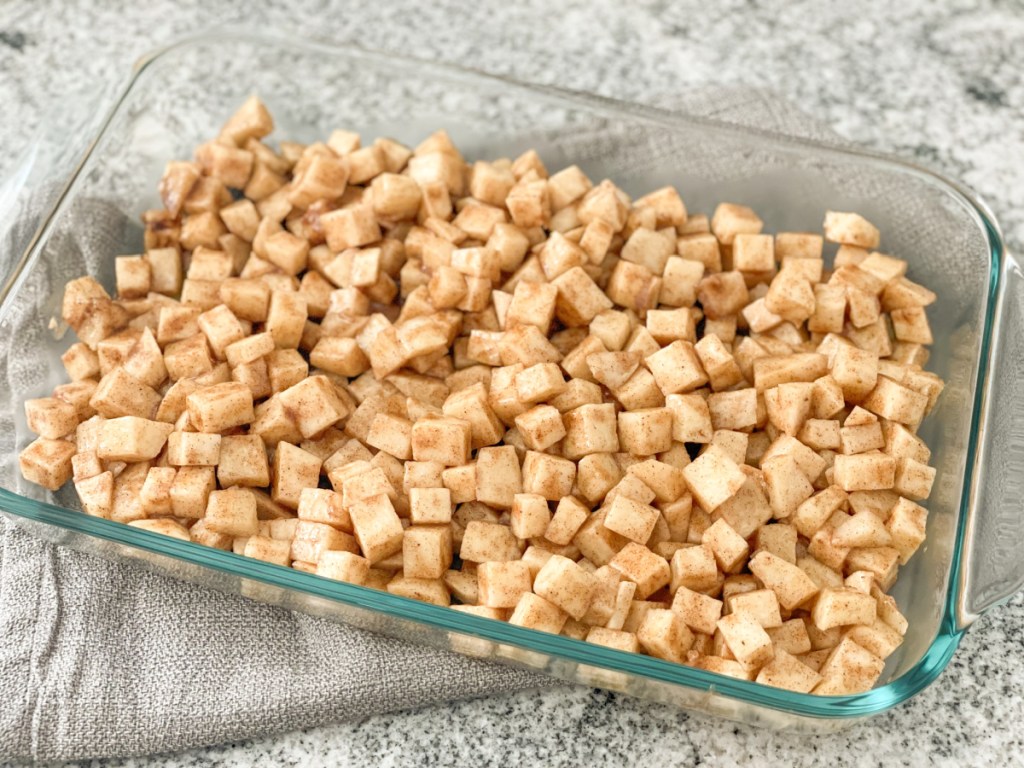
(992, 567)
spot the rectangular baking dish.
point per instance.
(949, 237)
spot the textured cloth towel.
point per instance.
(107, 659)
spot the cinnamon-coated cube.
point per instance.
(746, 639)
(50, 417)
(906, 527)
(320, 505)
(549, 476)
(791, 297)
(534, 612)
(361, 480)
(669, 209)
(131, 439)
(896, 402)
(565, 584)
(613, 328)
(648, 248)
(426, 551)
(430, 506)
(343, 566)
(650, 572)
(729, 548)
(579, 299)
(541, 427)
(251, 120)
(633, 286)
(350, 227)
(718, 363)
(596, 240)
(842, 606)
(510, 243)
(770, 371)
(530, 516)
(632, 519)
(570, 515)
(681, 277)
(791, 584)
(698, 611)
(498, 476)
(426, 590)
(96, 494)
(590, 429)
(190, 491)
(691, 418)
(232, 512)
(220, 407)
(913, 479)
(460, 482)
(529, 204)
(155, 496)
(502, 584)
(339, 355)
(597, 473)
(532, 304)
(664, 634)
(287, 251)
(377, 527)
(753, 253)
(713, 478)
(645, 432)
(80, 362)
(667, 325)
(121, 394)
(313, 405)
(268, 549)
(312, 540)
(699, 248)
(813, 513)
(490, 183)
(760, 604)
(242, 461)
(605, 203)
(247, 298)
(567, 186)
(613, 369)
(850, 229)
(485, 542)
(723, 294)
(294, 469)
(613, 638)
(864, 471)
(539, 383)
(47, 462)
(286, 318)
(193, 449)
(789, 672)
(788, 486)
(391, 434)
(731, 219)
(133, 275)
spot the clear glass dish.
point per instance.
(951, 240)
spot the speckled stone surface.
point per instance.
(944, 87)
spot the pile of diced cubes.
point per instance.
(519, 393)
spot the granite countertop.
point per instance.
(943, 87)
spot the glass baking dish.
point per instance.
(179, 97)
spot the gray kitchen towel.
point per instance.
(107, 659)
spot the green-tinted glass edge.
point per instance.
(871, 702)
